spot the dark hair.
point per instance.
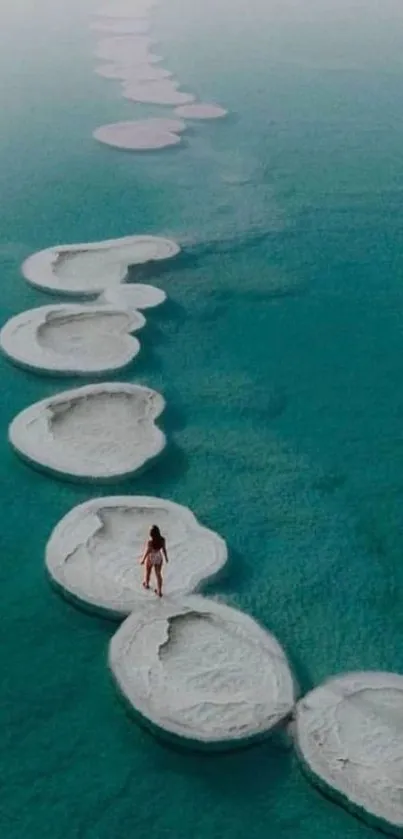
(157, 540)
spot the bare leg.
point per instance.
(147, 575)
(158, 574)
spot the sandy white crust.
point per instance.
(349, 734)
(93, 552)
(85, 270)
(133, 296)
(196, 670)
(97, 432)
(72, 339)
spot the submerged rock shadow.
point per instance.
(174, 418)
(148, 361)
(163, 474)
(148, 272)
(223, 583)
(171, 311)
(301, 673)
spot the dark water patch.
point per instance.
(329, 482)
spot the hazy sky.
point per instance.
(339, 33)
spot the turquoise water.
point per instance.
(280, 355)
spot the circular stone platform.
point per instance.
(162, 92)
(145, 73)
(97, 432)
(93, 552)
(86, 270)
(113, 71)
(201, 673)
(72, 339)
(133, 296)
(127, 49)
(141, 135)
(349, 733)
(124, 72)
(200, 110)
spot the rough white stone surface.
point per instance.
(200, 110)
(141, 135)
(349, 733)
(96, 432)
(201, 671)
(72, 339)
(159, 92)
(93, 553)
(86, 270)
(133, 296)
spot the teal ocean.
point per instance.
(280, 354)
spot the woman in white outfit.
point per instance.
(155, 553)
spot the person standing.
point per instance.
(154, 555)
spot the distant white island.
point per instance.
(158, 92)
(144, 72)
(200, 110)
(127, 49)
(141, 135)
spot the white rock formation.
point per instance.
(141, 135)
(97, 432)
(72, 339)
(349, 733)
(112, 70)
(133, 296)
(126, 72)
(127, 49)
(159, 92)
(201, 672)
(93, 553)
(86, 270)
(145, 73)
(200, 110)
